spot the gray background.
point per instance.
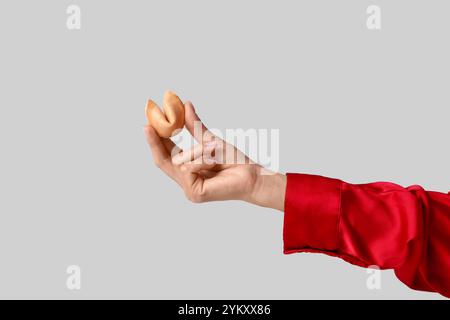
(76, 178)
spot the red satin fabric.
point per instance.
(382, 224)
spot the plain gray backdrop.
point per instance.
(77, 181)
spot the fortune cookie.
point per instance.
(169, 122)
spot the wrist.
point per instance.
(269, 190)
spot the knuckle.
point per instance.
(158, 163)
(195, 196)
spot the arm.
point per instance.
(382, 224)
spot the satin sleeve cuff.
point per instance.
(312, 213)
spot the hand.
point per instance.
(214, 170)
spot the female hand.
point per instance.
(215, 170)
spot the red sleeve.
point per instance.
(382, 224)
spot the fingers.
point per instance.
(197, 166)
(226, 154)
(194, 153)
(191, 168)
(188, 155)
(201, 163)
(171, 147)
(159, 149)
(197, 159)
(196, 173)
(195, 126)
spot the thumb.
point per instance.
(195, 126)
